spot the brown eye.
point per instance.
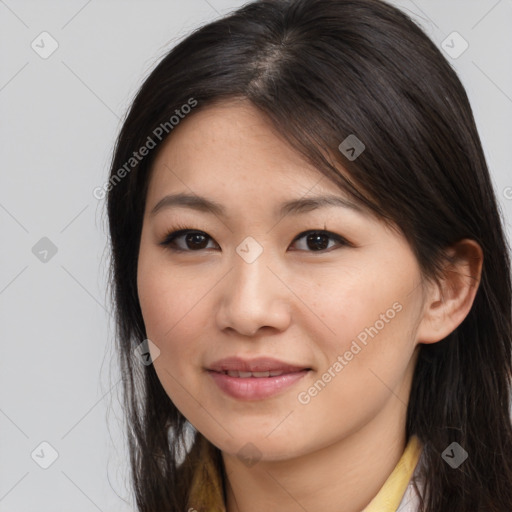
(317, 241)
(190, 240)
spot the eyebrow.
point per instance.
(292, 207)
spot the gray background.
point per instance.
(59, 117)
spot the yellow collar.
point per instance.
(207, 495)
(391, 493)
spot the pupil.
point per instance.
(194, 239)
(317, 240)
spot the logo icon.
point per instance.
(454, 45)
(249, 250)
(249, 454)
(44, 455)
(44, 250)
(146, 352)
(454, 455)
(351, 147)
(44, 45)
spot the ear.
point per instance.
(449, 301)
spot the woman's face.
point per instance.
(333, 316)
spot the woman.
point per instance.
(310, 272)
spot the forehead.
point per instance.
(231, 140)
(228, 159)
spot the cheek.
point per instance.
(171, 316)
(366, 313)
(166, 294)
(346, 302)
(177, 313)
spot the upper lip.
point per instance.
(260, 364)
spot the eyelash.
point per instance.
(182, 230)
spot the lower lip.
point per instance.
(255, 388)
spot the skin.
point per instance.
(296, 303)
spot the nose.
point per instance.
(254, 296)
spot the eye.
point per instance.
(319, 240)
(193, 240)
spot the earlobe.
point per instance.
(449, 300)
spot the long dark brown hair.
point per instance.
(321, 70)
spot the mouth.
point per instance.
(258, 367)
(255, 379)
(257, 375)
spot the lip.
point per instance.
(259, 364)
(255, 388)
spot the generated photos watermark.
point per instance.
(159, 133)
(304, 397)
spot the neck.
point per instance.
(345, 475)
